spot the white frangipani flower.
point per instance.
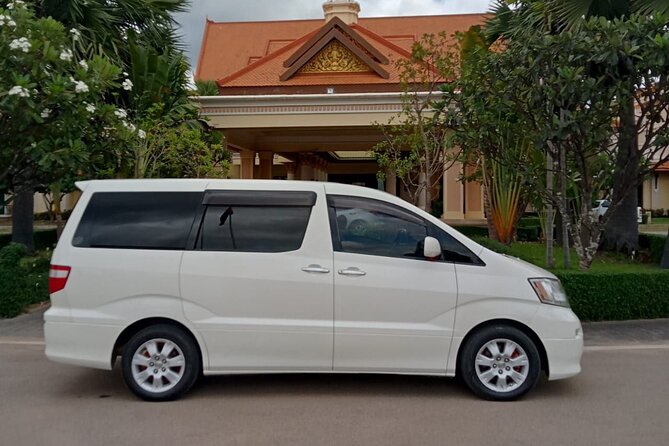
(19, 91)
(75, 33)
(45, 113)
(127, 85)
(90, 108)
(129, 126)
(11, 23)
(66, 55)
(80, 87)
(141, 133)
(83, 64)
(16, 3)
(120, 113)
(22, 44)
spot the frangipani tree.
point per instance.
(54, 119)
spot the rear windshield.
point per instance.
(138, 220)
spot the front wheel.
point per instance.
(160, 363)
(500, 363)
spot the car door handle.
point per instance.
(315, 269)
(351, 272)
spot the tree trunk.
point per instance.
(550, 260)
(566, 260)
(23, 216)
(492, 231)
(621, 233)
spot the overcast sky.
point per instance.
(192, 23)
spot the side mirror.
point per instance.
(431, 248)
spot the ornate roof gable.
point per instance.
(336, 48)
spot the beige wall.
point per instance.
(656, 198)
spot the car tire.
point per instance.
(500, 363)
(161, 363)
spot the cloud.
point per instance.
(192, 22)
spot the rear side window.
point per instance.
(138, 220)
(255, 221)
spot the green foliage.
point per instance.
(108, 26)
(654, 244)
(44, 239)
(493, 245)
(181, 152)
(160, 90)
(472, 231)
(24, 279)
(53, 116)
(415, 142)
(609, 296)
(529, 229)
(206, 88)
(564, 87)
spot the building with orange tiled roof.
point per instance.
(299, 99)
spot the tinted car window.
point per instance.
(254, 228)
(138, 220)
(372, 227)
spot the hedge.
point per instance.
(607, 296)
(24, 279)
(654, 244)
(44, 238)
(472, 231)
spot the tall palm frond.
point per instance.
(106, 26)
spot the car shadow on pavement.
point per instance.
(324, 384)
(89, 383)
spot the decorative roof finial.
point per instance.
(346, 10)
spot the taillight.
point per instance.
(58, 277)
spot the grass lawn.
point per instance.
(659, 221)
(535, 253)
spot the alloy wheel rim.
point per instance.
(502, 365)
(158, 365)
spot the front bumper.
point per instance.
(561, 333)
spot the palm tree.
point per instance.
(107, 26)
(513, 18)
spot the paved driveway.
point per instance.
(621, 398)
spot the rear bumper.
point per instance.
(80, 344)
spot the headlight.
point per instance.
(550, 291)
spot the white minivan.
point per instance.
(180, 278)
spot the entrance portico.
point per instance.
(309, 108)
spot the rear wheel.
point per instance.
(161, 363)
(500, 363)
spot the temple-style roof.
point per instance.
(305, 56)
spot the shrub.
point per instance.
(654, 244)
(659, 212)
(529, 229)
(24, 279)
(472, 231)
(493, 245)
(609, 296)
(45, 238)
(12, 279)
